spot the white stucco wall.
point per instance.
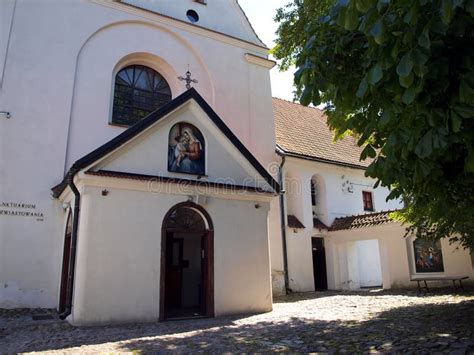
(118, 260)
(57, 84)
(276, 248)
(148, 153)
(222, 16)
(396, 257)
(336, 202)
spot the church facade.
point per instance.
(144, 163)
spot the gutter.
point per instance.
(282, 221)
(319, 160)
(72, 258)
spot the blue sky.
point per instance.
(260, 14)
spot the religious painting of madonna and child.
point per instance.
(186, 149)
(428, 256)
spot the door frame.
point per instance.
(208, 263)
(325, 273)
(63, 287)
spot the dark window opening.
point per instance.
(139, 90)
(367, 198)
(192, 16)
(314, 192)
(185, 219)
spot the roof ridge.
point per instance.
(362, 220)
(368, 214)
(298, 104)
(250, 23)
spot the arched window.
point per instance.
(185, 218)
(314, 193)
(139, 90)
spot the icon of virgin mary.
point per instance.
(186, 150)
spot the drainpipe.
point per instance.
(72, 258)
(283, 222)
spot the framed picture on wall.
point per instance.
(186, 152)
(428, 256)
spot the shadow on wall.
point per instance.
(422, 327)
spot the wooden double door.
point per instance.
(186, 274)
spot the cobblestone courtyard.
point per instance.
(325, 321)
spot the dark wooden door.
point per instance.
(186, 218)
(174, 271)
(65, 273)
(319, 264)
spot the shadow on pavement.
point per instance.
(421, 328)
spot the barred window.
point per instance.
(139, 90)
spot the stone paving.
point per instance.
(335, 322)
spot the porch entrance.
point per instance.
(187, 285)
(319, 264)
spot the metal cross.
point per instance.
(188, 79)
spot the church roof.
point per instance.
(149, 120)
(303, 132)
(362, 221)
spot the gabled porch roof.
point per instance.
(151, 119)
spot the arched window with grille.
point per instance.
(138, 91)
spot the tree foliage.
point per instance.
(399, 75)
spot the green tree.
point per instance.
(398, 74)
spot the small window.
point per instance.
(314, 194)
(367, 198)
(138, 91)
(192, 16)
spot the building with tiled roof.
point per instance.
(339, 231)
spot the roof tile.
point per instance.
(362, 221)
(304, 131)
(294, 222)
(318, 224)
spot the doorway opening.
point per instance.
(65, 267)
(370, 267)
(319, 264)
(187, 275)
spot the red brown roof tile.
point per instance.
(303, 131)
(362, 221)
(318, 224)
(294, 222)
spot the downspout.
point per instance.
(283, 222)
(72, 259)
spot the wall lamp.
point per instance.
(5, 114)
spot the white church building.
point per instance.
(147, 174)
